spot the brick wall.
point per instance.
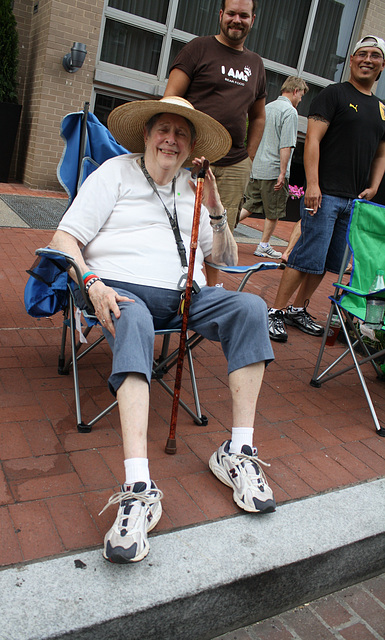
(374, 19)
(47, 91)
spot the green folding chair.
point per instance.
(366, 243)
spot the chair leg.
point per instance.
(61, 368)
(202, 420)
(82, 427)
(317, 380)
(161, 367)
(166, 361)
(380, 430)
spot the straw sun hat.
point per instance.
(127, 122)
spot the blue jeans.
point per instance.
(322, 243)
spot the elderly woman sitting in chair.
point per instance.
(122, 230)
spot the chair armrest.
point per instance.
(258, 266)
(50, 254)
(247, 270)
(356, 292)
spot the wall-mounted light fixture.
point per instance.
(74, 60)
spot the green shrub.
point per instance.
(8, 53)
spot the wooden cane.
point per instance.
(171, 441)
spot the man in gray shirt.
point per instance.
(268, 188)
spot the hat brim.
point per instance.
(127, 123)
(370, 41)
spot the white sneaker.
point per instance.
(139, 511)
(242, 472)
(267, 252)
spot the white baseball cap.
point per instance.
(370, 41)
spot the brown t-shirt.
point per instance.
(225, 83)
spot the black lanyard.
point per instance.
(172, 218)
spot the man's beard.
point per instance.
(237, 34)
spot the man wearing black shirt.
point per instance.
(344, 158)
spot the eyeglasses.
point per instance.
(362, 55)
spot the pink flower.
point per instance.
(295, 192)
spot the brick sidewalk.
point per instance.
(54, 481)
(355, 613)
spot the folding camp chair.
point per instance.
(81, 156)
(161, 365)
(88, 144)
(366, 242)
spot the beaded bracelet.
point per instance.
(91, 282)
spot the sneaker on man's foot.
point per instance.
(267, 252)
(303, 321)
(277, 329)
(139, 511)
(242, 472)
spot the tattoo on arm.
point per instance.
(319, 118)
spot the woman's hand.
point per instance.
(105, 302)
(224, 248)
(211, 199)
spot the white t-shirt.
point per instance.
(125, 230)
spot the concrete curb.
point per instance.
(203, 581)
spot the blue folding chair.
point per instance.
(87, 144)
(49, 289)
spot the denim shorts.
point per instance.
(237, 320)
(322, 243)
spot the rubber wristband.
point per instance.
(89, 273)
(218, 226)
(90, 277)
(218, 217)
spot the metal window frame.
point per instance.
(130, 80)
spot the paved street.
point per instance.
(355, 613)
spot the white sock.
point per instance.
(264, 244)
(296, 309)
(137, 471)
(239, 437)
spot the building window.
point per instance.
(149, 9)
(104, 104)
(279, 30)
(330, 38)
(130, 47)
(199, 17)
(310, 38)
